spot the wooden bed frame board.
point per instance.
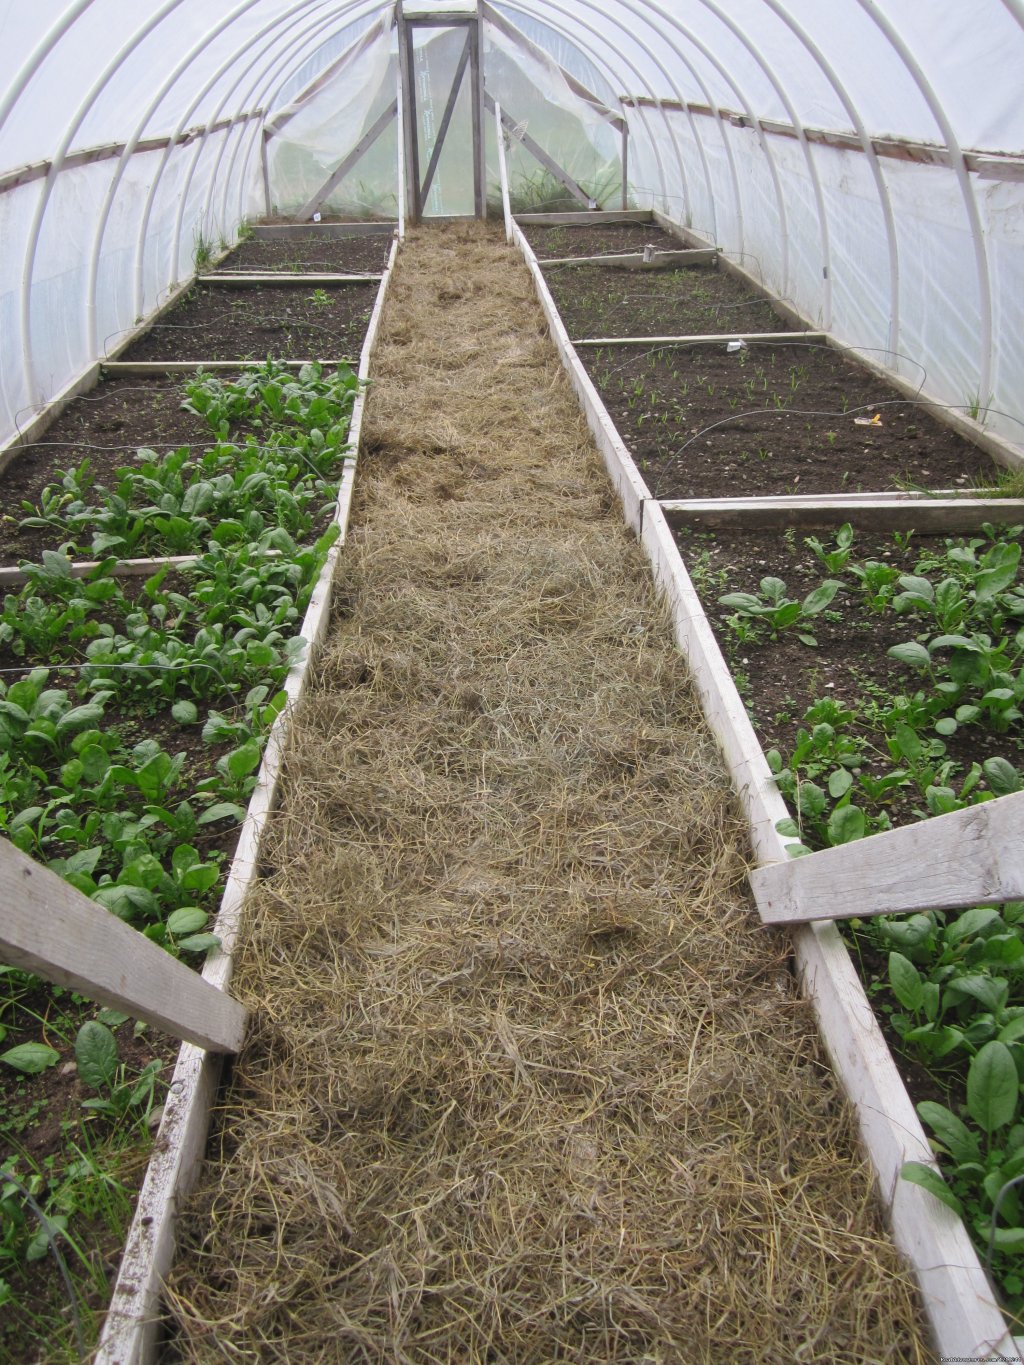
(588, 217)
(708, 339)
(624, 474)
(131, 1331)
(142, 368)
(872, 512)
(124, 568)
(286, 278)
(636, 260)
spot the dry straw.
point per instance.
(526, 1082)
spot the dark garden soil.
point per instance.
(780, 679)
(789, 417)
(312, 254)
(601, 301)
(599, 239)
(223, 323)
(38, 1114)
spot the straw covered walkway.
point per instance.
(526, 1081)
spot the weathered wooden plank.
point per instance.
(706, 339)
(287, 279)
(49, 928)
(124, 568)
(506, 206)
(987, 165)
(969, 857)
(89, 156)
(586, 218)
(947, 511)
(639, 260)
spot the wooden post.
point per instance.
(970, 857)
(503, 174)
(625, 164)
(400, 168)
(475, 43)
(410, 133)
(48, 927)
(265, 160)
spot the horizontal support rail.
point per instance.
(49, 928)
(945, 511)
(708, 339)
(88, 156)
(641, 260)
(986, 165)
(124, 568)
(969, 857)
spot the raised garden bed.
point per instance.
(777, 417)
(601, 239)
(116, 742)
(908, 705)
(600, 301)
(211, 323)
(311, 254)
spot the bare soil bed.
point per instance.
(600, 301)
(312, 254)
(779, 417)
(223, 323)
(527, 1082)
(600, 239)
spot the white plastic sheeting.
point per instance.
(920, 263)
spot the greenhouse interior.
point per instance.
(513, 687)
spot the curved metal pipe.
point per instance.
(133, 141)
(202, 141)
(270, 101)
(881, 185)
(38, 55)
(57, 161)
(749, 112)
(966, 190)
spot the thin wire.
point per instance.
(812, 412)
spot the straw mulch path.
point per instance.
(526, 1080)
